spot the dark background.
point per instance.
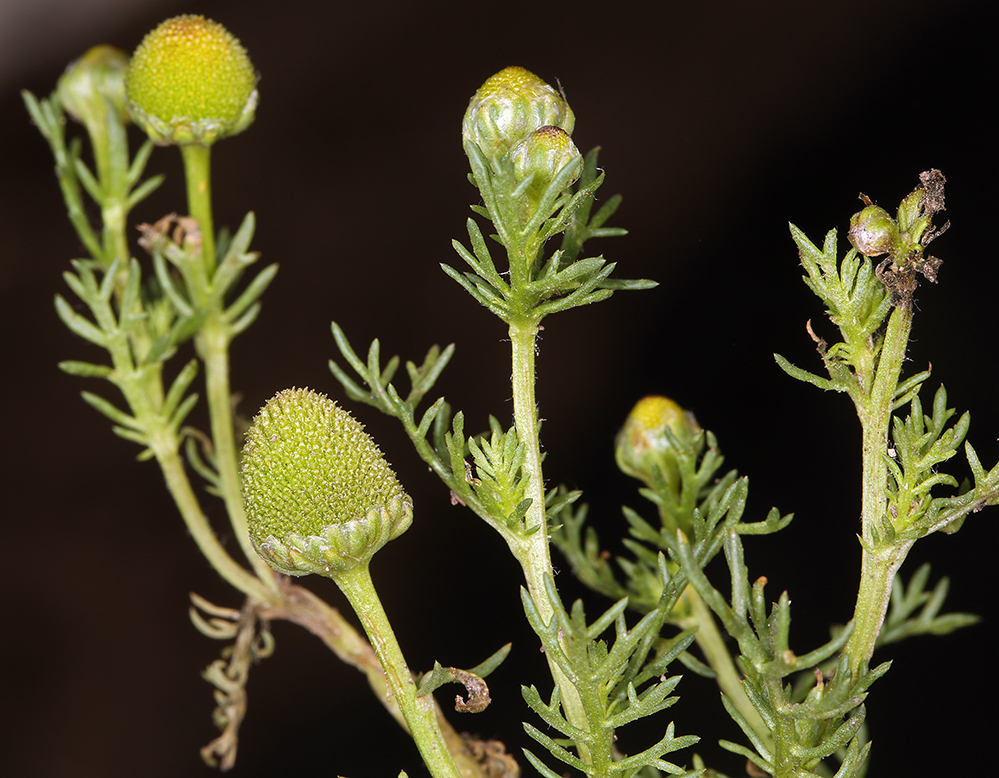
(719, 123)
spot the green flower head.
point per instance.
(508, 107)
(93, 83)
(191, 81)
(643, 443)
(320, 497)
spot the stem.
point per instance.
(197, 524)
(213, 347)
(712, 644)
(304, 608)
(197, 171)
(420, 712)
(533, 552)
(881, 556)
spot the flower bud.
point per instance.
(191, 81)
(873, 231)
(91, 83)
(543, 154)
(320, 497)
(643, 444)
(509, 106)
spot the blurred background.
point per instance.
(719, 123)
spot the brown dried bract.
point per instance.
(185, 230)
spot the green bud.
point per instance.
(643, 444)
(91, 83)
(320, 497)
(873, 232)
(543, 154)
(509, 106)
(191, 81)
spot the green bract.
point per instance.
(191, 81)
(320, 497)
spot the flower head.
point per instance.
(93, 83)
(508, 107)
(649, 436)
(191, 81)
(320, 497)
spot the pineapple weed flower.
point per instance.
(320, 497)
(509, 106)
(649, 436)
(191, 81)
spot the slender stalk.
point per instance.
(213, 347)
(534, 552)
(197, 524)
(881, 558)
(197, 171)
(420, 712)
(712, 644)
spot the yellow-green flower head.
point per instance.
(191, 81)
(320, 497)
(873, 232)
(92, 82)
(509, 106)
(543, 154)
(643, 442)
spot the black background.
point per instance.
(719, 123)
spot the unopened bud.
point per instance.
(191, 81)
(644, 445)
(873, 232)
(509, 106)
(93, 83)
(543, 154)
(320, 497)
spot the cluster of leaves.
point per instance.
(563, 281)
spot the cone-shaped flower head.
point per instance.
(320, 497)
(91, 83)
(191, 81)
(510, 106)
(643, 442)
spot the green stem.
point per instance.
(197, 171)
(882, 556)
(213, 347)
(712, 644)
(197, 524)
(533, 552)
(420, 712)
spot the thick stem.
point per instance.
(304, 608)
(197, 171)
(533, 552)
(420, 712)
(881, 556)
